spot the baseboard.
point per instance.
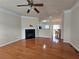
(75, 48)
(9, 43)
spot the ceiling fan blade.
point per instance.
(21, 5)
(38, 4)
(36, 10)
(28, 10)
(28, 1)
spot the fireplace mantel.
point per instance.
(30, 28)
(23, 31)
(29, 33)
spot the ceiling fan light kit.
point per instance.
(31, 4)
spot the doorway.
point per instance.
(56, 32)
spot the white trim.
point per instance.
(9, 12)
(9, 43)
(30, 28)
(74, 46)
(66, 41)
(23, 32)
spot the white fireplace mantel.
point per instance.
(23, 31)
(30, 28)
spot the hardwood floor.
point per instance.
(38, 48)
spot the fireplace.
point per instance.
(29, 33)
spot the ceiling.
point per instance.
(51, 7)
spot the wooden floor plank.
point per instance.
(38, 48)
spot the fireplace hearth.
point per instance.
(29, 33)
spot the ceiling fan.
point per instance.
(31, 4)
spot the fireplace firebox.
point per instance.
(29, 33)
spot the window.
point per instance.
(46, 26)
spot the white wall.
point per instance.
(62, 26)
(49, 32)
(67, 26)
(10, 25)
(75, 26)
(71, 26)
(26, 21)
(44, 32)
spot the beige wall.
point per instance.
(56, 20)
(10, 28)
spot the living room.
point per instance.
(14, 21)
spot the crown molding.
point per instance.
(75, 6)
